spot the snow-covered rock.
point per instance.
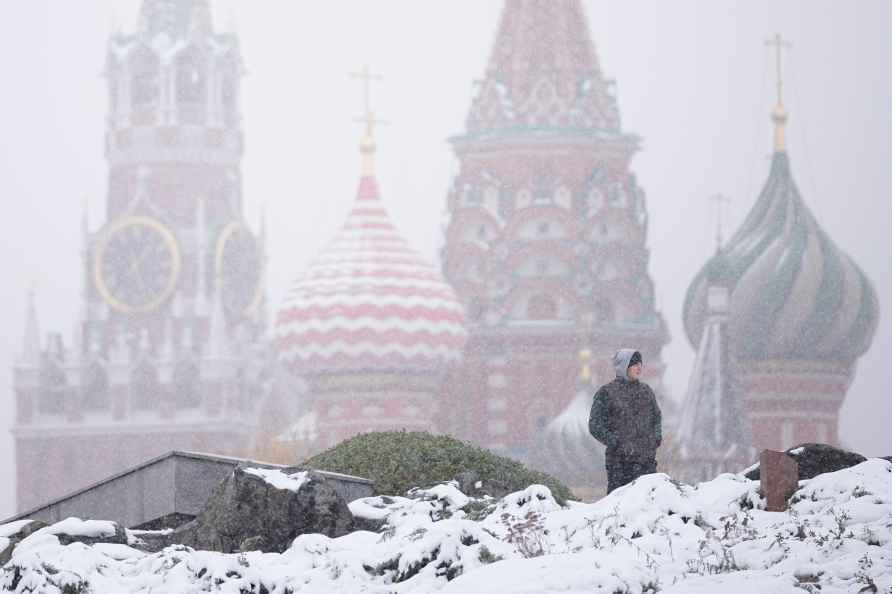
(263, 509)
(654, 535)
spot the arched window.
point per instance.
(145, 87)
(52, 388)
(96, 393)
(192, 87)
(542, 307)
(186, 385)
(145, 389)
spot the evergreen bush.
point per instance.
(400, 460)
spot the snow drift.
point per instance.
(654, 535)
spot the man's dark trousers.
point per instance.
(622, 471)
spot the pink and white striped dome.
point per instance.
(369, 302)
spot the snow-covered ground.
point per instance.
(654, 535)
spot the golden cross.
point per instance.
(720, 200)
(366, 76)
(779, 44)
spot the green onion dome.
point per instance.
(794, 294)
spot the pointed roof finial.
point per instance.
(779, 114)
(367, 144)
(585, 362)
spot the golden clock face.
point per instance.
(136, 265)
(239, 269)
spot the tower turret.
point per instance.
(154, 369)
(546, 239)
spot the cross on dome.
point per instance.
(779, 115)
(367, 144)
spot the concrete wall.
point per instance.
(176, 483)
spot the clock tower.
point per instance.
(166, 353)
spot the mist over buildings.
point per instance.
(694, 80)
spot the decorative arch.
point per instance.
(562, 224)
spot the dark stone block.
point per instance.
(816, 458)
(779, 478)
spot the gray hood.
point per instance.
(621, 362)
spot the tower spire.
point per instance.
(543, 74)
(779, 113)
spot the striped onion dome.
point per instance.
(369, 302)
(795, 294)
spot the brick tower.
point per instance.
(546, 237)
(165, 351)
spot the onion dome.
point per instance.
(795, 294)
(565, 449)
(369, 302)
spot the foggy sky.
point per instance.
(694, 81)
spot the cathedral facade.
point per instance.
(166, 353)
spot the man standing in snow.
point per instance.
(625, 417)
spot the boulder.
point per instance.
(88, 532)
(67, 531)
(816, 458)
(13, 533)
(470, 484)
(263, 509)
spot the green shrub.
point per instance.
(400, 460)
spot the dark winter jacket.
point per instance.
(625, 416)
